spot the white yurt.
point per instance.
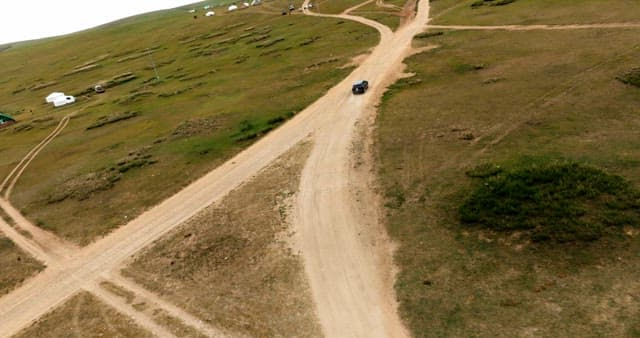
(53, 96)
(210, 13)
(63, 100)
(232, 8)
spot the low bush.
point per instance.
(556, 202)
(481, 3)
(631, 77)
(113, 118)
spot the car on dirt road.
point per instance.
(360, 87)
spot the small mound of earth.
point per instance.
(197, 127)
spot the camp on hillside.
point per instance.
(6, 120)
(60, 99)
(63, 100)
(53, 96)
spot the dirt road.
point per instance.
(346, 252)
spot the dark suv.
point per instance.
(360, 87)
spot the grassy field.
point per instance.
(334, 6)
(15, 266)
(231, 265)
(509, 99)
(83, 316)
(222, 83)
(535, 12)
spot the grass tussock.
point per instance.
(557, 202)
(631, 77)
(113, 118)
(481, 3)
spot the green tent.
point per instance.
(6, 120)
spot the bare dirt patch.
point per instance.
(230, 265)
(83, 316)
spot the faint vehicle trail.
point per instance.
(124, 308)
(157, 302)
(43, 243)
(9, 182)
(51, 247)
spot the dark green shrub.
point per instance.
(558, 202)
(631, 77)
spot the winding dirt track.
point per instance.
(337, 108)
(343, 247)
(10, 181)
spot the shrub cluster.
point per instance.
(481, 3)
(557, 202)
(631, 77)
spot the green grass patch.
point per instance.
(495, 12)
(556, 202)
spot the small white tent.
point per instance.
(255, 2)
(232, 8)
(53, 96)
(210, 13)
(63, 100)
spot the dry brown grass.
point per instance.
(83, 316)
(15, 266)
(230, 265)
(160, 316)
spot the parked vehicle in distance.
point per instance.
(360, 87)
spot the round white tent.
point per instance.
(232, 8)
(210, 13)
(52, 97)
